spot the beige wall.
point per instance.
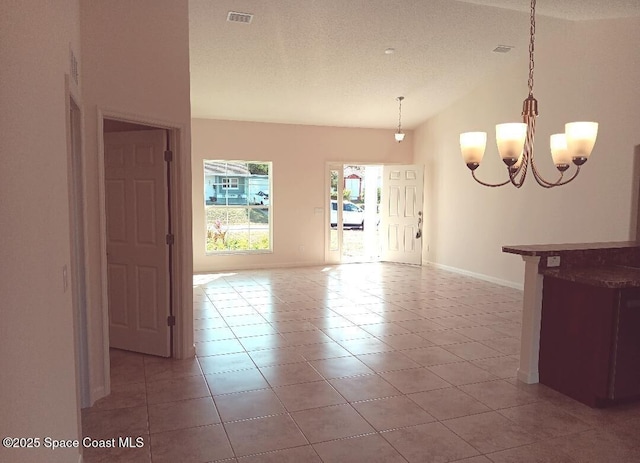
(584, 71)
(299, 155)
(136, 65)
(37, 363)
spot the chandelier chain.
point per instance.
(400, 113)
(532, 35)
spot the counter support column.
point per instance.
(531, 317)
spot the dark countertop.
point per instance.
(544, 250)
(606, 276)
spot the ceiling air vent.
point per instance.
(502, 49)
(236, 17)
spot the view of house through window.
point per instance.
(237, 198)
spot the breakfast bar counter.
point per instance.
(581, 319)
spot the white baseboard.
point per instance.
(263, 267)
(479, 276)
(528, 377)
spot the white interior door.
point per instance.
(401, 213)
(137, 250)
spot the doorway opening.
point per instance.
(354, 212)
(390, 197)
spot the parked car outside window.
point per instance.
(261, 198)
(352, 215)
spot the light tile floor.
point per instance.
(352, 363)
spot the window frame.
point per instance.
(250, 231)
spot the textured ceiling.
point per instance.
(322, 62)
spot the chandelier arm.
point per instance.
(547, 184)
(529, 147)
(520, 171)
(544, 183)
(522, 168)
(571, 178)
(536, 174)
(531, 128)
(559, 182)
(492, 185)
(513, 176)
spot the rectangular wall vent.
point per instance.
(236, 17)
(502, 49)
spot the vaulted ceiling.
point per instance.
(323, 62)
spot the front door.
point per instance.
(136, 197)
(401, 214)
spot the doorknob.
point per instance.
(419, 232)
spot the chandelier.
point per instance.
(515, 140)
(399, 136)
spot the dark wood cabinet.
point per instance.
(625, 376)
(590, 341)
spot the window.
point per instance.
(237, 202)
(228, 183)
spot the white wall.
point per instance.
(584, 71)
(299, 155)
(37, 363)
(136, 64)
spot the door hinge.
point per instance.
(170, 238)
(171, 320)
(168, 155)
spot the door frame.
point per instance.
(180, 205)
(76, 275)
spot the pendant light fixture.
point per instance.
(515, 140)
(399, 135)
